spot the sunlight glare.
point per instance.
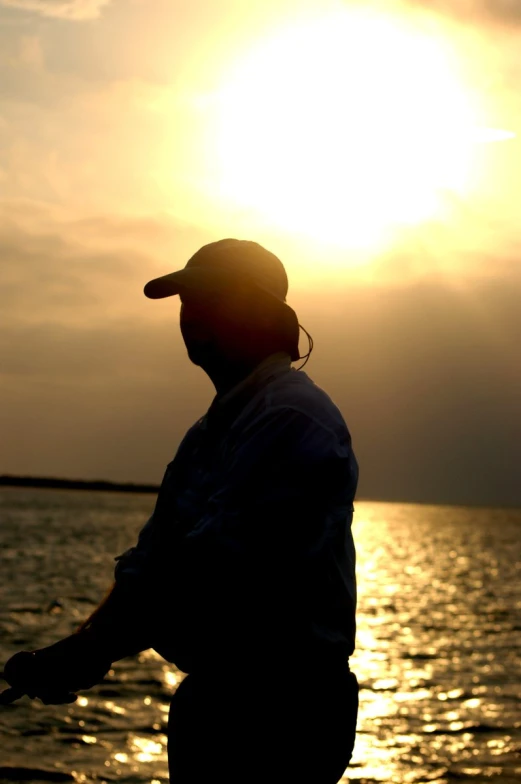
(345, 129)
(487, 135)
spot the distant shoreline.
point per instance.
(6, 480)
(76, 484)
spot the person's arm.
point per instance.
(123, 623)
(117, 628)
(82, 659)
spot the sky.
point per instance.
(374, 148)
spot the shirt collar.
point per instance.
(272, 366)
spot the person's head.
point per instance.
(233, 311)
(238, 324)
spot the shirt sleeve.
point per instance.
(133, 563)
(135, 567)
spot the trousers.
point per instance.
(292, 726)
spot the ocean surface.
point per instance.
(438, 653)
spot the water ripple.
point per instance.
(437, 658)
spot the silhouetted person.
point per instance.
(244, 576)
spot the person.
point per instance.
(244, 575)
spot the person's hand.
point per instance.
(56, 673)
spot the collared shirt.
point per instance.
(249, 552)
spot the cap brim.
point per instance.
(187, 278)
(197, 279)
(165, 286)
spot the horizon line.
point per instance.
(57, 483)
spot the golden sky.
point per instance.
(374, 147)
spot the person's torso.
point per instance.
(202, 465)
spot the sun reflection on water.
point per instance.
(434, 654)
(171, 677)
(145, 749)
(113, 708)
(436, 658)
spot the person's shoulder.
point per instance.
(296, 391)
(191, 437)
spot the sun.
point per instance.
(344, 128)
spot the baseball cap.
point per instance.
(225, 262)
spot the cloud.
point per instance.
(503, 11)
(89, 366)
(64, 269)
(96, 383)
(74, 10)
(95, 380)
(428, 378)
(475, 12)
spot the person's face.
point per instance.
(196, 327)
(210, 326)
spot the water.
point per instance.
(438, 653)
